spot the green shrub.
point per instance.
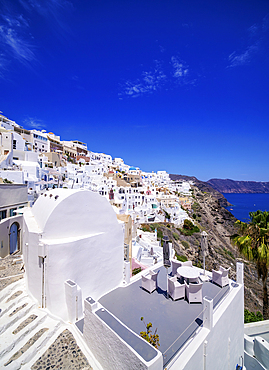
(181, 258)
(229, 253)
(185, 244)
(186, 232)
(176, 236)
(153, 339)
(136, 271)
(188, 225)
(145, 228)
(159, 234)
(198, 264)
(251, 316)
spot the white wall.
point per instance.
(223, 344)
(110, 350)
(83, 243)
(15, 176)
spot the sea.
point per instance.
(242, 204)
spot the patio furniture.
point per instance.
(220, 277)
(186, 263)
(194, 280)
(149, 281)
(194, 292)
(188, 272)
(175, 289)
(175, 265)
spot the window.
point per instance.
(3, 214)
(11, 212)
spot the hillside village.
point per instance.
(43, 161)
(80, 232)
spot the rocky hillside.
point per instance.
(231, 186)
(204, 187)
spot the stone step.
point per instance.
(19, 330)
(10, 289)
(29, 343)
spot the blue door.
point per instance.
(13, 238)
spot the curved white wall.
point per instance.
(81, 241)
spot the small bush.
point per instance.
(186, 232)
(176, 236)
(198, 264)
(159, 234)
(145, 228)
(136, 271)
(181, 258)
(188, 225)
(229, 253)
(252, 317)
(185, 244)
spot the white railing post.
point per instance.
(208, 313)
(240, 273)
(127, 272)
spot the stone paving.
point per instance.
(64, 353)
(10, 266)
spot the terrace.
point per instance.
(176, 321)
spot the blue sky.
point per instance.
(181, 86)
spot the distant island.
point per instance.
(231, 186)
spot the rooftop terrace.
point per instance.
(176, 321)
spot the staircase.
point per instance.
(26, 331)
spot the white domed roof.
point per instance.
(65, 213)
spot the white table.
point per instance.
(188, 272)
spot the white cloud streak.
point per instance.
(49, 9)
(176, 73)
(21, 49)
(256, 34)
(243, 58)
(180, 68)
(34, 123)
(148, 83)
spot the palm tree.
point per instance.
(253, 243)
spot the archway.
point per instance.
(14, 237)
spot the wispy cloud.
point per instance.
(50, 9)
(149, 82)
(14, 39)
(34, 123)
(21, 49)
(245, 57)
(180, 68)
(255, 43)
(163, 75)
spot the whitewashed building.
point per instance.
(71, 235)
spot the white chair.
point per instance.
(194, 280)
(175, 265)
(186, 263)
(221, 277)
(175, 289)
(149, 281)
(194, 293)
